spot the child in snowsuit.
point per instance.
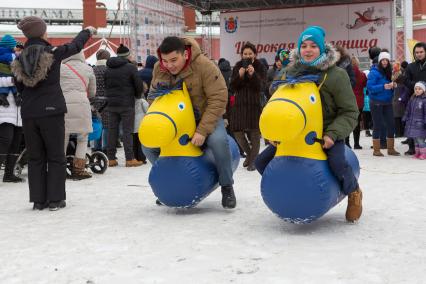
(415, 120)
(7, 55)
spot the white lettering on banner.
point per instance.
(357, 27)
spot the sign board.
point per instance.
(357, 27)
(152, 21)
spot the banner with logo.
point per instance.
(152, 21)
(357, 27)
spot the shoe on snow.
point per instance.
(39, 206)
(354, 209)
(228, 197)
(56, 205)
(12, 178)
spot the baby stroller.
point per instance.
(22, 158)
(97, 161)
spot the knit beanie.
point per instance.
(421, 85)
(32, 27)
(315, 34)
(8, 41)
(123, 51)
(384, 55)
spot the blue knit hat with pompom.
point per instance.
(8, 41)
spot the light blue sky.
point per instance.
(70, 4)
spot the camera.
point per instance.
(245, 63)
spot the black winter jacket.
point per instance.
(416, 71)
(122, 83)
(37, 73)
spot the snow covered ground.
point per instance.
(112, 232)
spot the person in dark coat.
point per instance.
(37, 73)
(122, 86)
(102, 55)
(226, 70)
(146, 73)
(346, 63)
(415, 72)
(361, 82)
(415, 120)
(400, 99)
(247, 82)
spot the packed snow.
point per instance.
(113, 232)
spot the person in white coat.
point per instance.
(10, 132)
(78, 84)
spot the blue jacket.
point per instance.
(146, 73)
(6, 57)
(376, 88)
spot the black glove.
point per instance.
(3, 100)
(18, 99)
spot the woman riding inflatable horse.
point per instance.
(340, 112)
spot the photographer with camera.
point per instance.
(247, 82)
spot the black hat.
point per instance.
(374, 52)
(123, 51)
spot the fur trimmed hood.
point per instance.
(40, 70)
(332, 58)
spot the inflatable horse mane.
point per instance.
(184, 174)
(297, 185)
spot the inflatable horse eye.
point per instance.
(297, 185)
(181, 106)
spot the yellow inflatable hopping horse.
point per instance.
(184, 174)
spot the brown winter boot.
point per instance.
(133, 163)
(391, 144)
(79, 170)
(354, 209)
(376, 148)
(112, 163)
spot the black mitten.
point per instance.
(3, 100)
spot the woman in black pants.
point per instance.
(37, 72)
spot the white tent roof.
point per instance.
(103, 44)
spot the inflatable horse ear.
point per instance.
(184, 174)
(297, 185)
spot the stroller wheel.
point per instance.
(99, 162)
(70, 160)
(18, 169)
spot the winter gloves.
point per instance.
(3, 100)
(92, 30)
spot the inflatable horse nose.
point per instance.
(159, 130)
(283, 112)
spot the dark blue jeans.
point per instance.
(336, 160)
(382, 114)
